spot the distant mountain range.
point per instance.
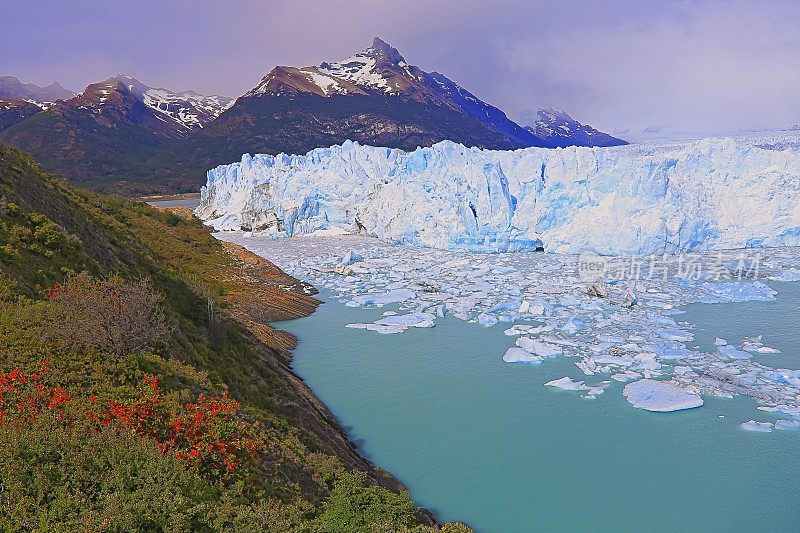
(122, 135)
(557, 128)
(12, 88)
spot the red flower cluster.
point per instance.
(55, 291)
(24, 397)
(206, 434)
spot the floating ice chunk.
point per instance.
(734, 291)
(660, 396)
(573, 325)
(755, 345)
(767, 349)
(610, 338)
(388, 297)
(733, 353)
(587, 366)
(720, 342)
(505, 306)
(350, 257)
(646, 361)
(486, 320)
(567, 383)
(752, 425)
(783, 376)
(518, 329)
(536, 309)
(626, 376)
(667, 351)
(596, 390)
(516, 354)
(789, 274)
(538, 347)
(417, 320)
(787, 424)
(379, 328)
(675, 335)
(617, 360)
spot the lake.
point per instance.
(485, 442)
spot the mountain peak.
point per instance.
(552, 110)
(377, 42)
(382, 49)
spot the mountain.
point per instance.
(106, 134)
(374, 97)
(187, 108)
(12, 88)
(124, 136)
(559, 129)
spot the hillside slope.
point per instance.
(216, 301)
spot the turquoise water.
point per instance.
(484, 442)
(777, 321)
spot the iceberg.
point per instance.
(729, 351)
(708, 194)
(752, 425)
(567, 383)
(660, 396)
(787, 424)
(518, 355)
(388, 297)
(537, 347)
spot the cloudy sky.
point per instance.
(684, 65)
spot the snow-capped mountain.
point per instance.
(187, 108)
(12, 88)
(110, 129)
(120, 100)
(123, 129)
(701, 195)
(559, 129)
(375, 97)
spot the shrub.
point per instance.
(109, 315)
(57, 477)
(205, 435)
(354, 507)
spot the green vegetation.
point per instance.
(65, 470)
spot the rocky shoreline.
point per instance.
(273, 295)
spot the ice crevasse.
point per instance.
(640, 199)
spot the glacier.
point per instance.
(707, 194)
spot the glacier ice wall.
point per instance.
(701, 195)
